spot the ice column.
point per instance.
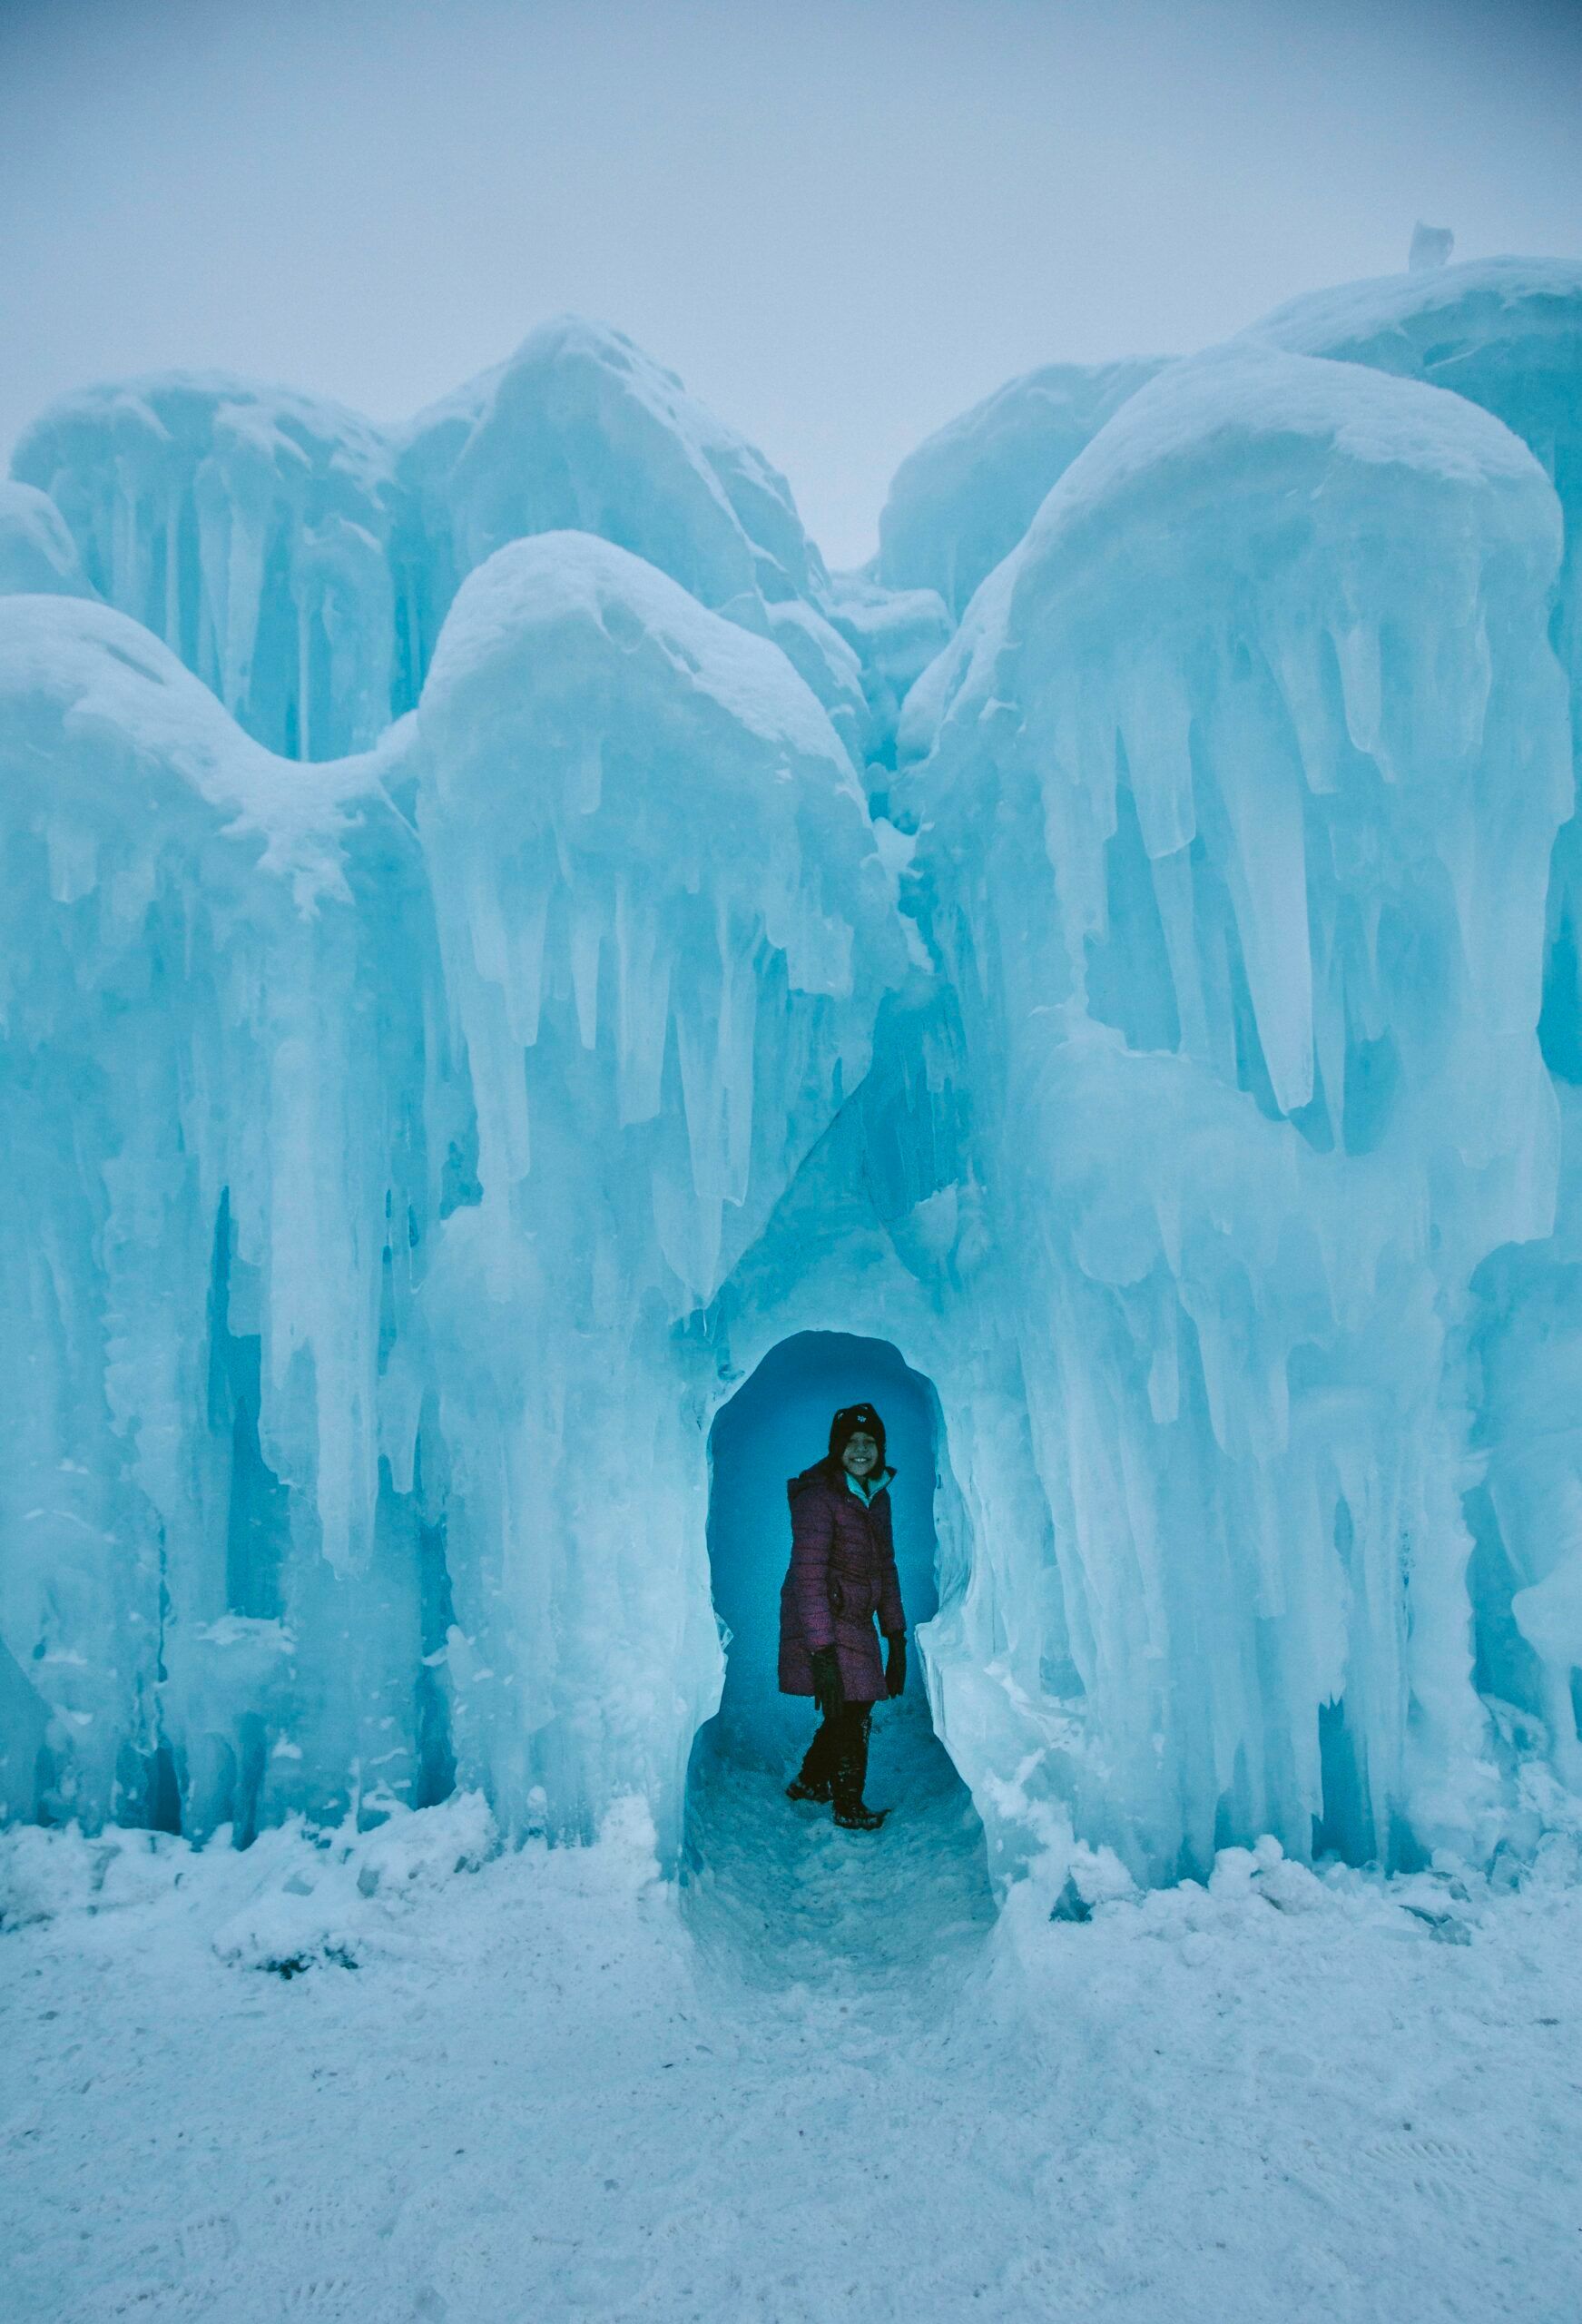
(1244, 776)
(664, 933)
(208, 1092)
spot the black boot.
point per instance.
(851, 1773)
(860, 1819)
(815, 1778)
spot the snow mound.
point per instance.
(326, 1898)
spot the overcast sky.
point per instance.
(840, 222)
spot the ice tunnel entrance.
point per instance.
(779, 1881)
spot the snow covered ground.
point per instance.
(814, 2079)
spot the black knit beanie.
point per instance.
(846, 1424)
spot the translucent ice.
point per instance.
(1208, 810)
(248, 527)
(582, 429)
(1508, 334)
(963, 500)
(37, 552)
(461, 1013)
(346, 1448)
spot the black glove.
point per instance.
(895, 1668)
(828, 1692)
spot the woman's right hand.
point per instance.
(828, 1693)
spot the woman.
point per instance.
(842, 1573)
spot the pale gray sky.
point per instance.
(841, 221)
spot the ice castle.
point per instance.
(499, 941)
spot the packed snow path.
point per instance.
(777, 1894)
(545, 2094)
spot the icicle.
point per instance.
(304, 675)
(586, 938)
(1156, 722)
(73, 861)
(174, 498)
(1357, 653)
(523, 962)
(643, 1006)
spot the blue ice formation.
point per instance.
(964, 498)
(499, 940)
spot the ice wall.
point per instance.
(190, 1081)
(357, 1231)
(302, 560)
(1243, 772)
(964, 498)
(665, 931)
(582, 430)
(247, 527)
(1172, 1057)
(1508, 335)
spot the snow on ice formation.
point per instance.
(962, 500)
(499, 940)
(1265, 1087)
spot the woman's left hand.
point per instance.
(895, 1668)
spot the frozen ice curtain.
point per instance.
(498, 938)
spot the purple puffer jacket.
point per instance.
(842, 1573)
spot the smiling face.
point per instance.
(860, 1457)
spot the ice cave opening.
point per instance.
(777, 1881)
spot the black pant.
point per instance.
(838, 1755)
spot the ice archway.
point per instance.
(774, 1425)
(418, 1148)
(779, 1877)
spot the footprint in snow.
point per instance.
(187, 2301)
(209, 2242)
(325, 2296)
(1440, 2168)
(1409, 2147)
(305, 2220)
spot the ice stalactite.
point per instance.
(581, 430)
(664, 930)
(1526, 1507)
(200, 1101)
(1174, 1061)
(1246, 766)
(234, 520)
(1507, 334)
